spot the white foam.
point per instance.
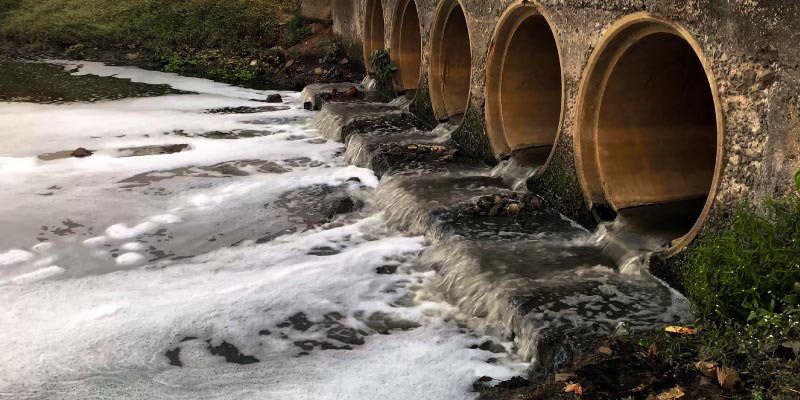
(166, 219)
(96, 241)
(129, 259)
(38, 275)
(14, 256)
(98, 327)
(124, 232)
(132, 246)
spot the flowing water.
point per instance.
(194, 254)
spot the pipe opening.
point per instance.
(524, 87)
(374, 31)
(650, 121)
(451, 63)
(407, 46)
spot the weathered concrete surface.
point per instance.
(750, 46)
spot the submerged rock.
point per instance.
(80, 152)
(274, 98)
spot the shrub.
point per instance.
(751, 269)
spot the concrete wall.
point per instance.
(751, 47)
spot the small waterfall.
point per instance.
(444, 131)
(514, 173)
(329, 123)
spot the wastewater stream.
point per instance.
(172, 237)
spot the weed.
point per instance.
(751, 269)
(383, 70)
(294, 32)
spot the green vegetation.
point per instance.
(383, 69)
(744, 282)
(188, 36)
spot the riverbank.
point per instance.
(264, 44)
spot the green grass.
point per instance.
(752, 268)
(744, 282)
(232, 25)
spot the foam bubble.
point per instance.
(132, 246)
(124, 232)
(128, 259)
(14, 256)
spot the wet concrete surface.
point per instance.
(540, 277)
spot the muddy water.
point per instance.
(187, 252)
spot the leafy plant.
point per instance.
(381, 64)
(751, 269)
(797, 180)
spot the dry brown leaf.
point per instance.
(672, 394)
(574, 388)
(605, 350)
(728, 378)
(680, 329)
(652, 351)
(708, 369)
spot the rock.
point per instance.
(343, 206)
(536, 203)
(386, 269)
(344, 61)
(274, 98)
(495, 210)
(492, 346)
(318, 71)
(133, 56)
(354, 179)
(80, 152)
(253, 63)
(175, 148)
(353, 92)
(513, 209)
(767, 79)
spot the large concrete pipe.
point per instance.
(650, 130)
(451, 62)
(524, 85)
(374, 30)
(406, 49)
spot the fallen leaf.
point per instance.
(728, 378)
(792, 344)
(605, 350)
(707, 369)
(652, 351)
(574, 388)
(680, 330)
(672, 394)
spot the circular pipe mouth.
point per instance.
(374, 31)
(451, 62)
(650, 131)
(407, 46)
(524, 86)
